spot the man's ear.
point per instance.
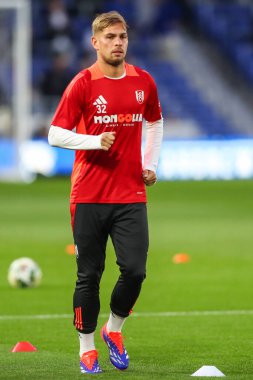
(94, 42)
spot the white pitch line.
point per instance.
(162, 314)
(194, 313)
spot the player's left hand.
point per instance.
(149, 177)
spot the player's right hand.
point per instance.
(107, 139)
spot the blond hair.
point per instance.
(104, 20)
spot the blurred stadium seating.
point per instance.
(228, 24)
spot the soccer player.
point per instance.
(106, 104)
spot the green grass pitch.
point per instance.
(210, 221)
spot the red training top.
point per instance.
(93, 104)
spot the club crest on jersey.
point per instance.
(139, 96)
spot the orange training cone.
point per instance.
(180, 258)
(24, 347)
(70, 249)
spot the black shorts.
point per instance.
(125, 223)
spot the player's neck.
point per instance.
(112, 71)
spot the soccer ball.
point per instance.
(24, 273)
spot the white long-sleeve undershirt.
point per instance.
(154, 135)
(64, 138)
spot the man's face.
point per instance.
(111, 44)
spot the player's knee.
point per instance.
(89, 281)
(135, 274)
(134, 269)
